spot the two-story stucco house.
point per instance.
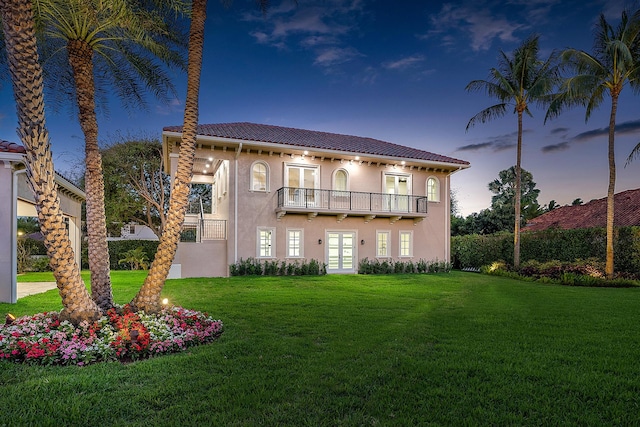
(277, 193)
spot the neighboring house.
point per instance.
(19, 201)
(592, 214)
(290, 194)
(135, 231)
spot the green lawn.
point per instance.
(446, 349)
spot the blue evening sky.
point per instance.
(394, 71)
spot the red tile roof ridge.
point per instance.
(591, 214)
(11, 147)
(315, 139)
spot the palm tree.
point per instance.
(128, 40)
(26, 75)
(148, 297)
(519, 80)
(615, 62)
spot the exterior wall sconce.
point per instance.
(319, 241)
(362, 242)
(9, 319)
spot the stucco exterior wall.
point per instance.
(257, 209)
(7, 232)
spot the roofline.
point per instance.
(240, 142)
(61, 182)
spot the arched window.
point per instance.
(433, 189)
(259, 176)
(340, 180)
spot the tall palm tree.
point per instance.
(28, 88)
(520, 79)
(615, 62)
(148, 297)
(125, 41)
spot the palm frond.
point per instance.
(634, 153)
(487, 114)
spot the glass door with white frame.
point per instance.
(340, 252)
(302, 182)
(398, 188)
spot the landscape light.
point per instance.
(165, 301)
(9, 319)
(134, 336)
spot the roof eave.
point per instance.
(300, 149)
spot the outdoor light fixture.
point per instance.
(319, 241)
(134, 336)
(9, 319)
(165, 301)
(362, 242)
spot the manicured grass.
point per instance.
(445, 349)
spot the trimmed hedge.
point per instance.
(474, 251)
(117, 250)
(255, 267)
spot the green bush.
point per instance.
(254, 267)
(375, 266)
(118, 250)
(474, 251)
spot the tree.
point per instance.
(577, 202)
(129, 39)
(552, 205)
(148, 297)
(519, 80)
(500, 216)
(615, 62)
(136, 187)
(28, 88)
(136, 258)
(504, 190)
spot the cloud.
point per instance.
(479, 24)
(559, 130)
(562, 146)
(404, 63)
(321, 29)
(626, 128)
(476, 22)
(496, 143)
(331, 56)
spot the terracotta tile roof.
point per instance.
(314, 139)
(11, 147)
(592, 214)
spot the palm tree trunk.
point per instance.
(516, 228)
(26, 75)
(80, 59)
(612, 187)
(148, 298)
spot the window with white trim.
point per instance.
(259, 176)
(433, 189)
(341, 180)
(295, 242)
(383, 242)
(406, 243)
(266, 242)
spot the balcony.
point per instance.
(197, 230)
(315, 202)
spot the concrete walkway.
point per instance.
(30, 288)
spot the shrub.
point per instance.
(254, 267)
(375, 266)
(474, 251)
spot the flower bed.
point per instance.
(119, 335)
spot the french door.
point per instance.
(341, 252)
(397, 188)
(301, 181)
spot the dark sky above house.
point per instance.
(394, 71)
